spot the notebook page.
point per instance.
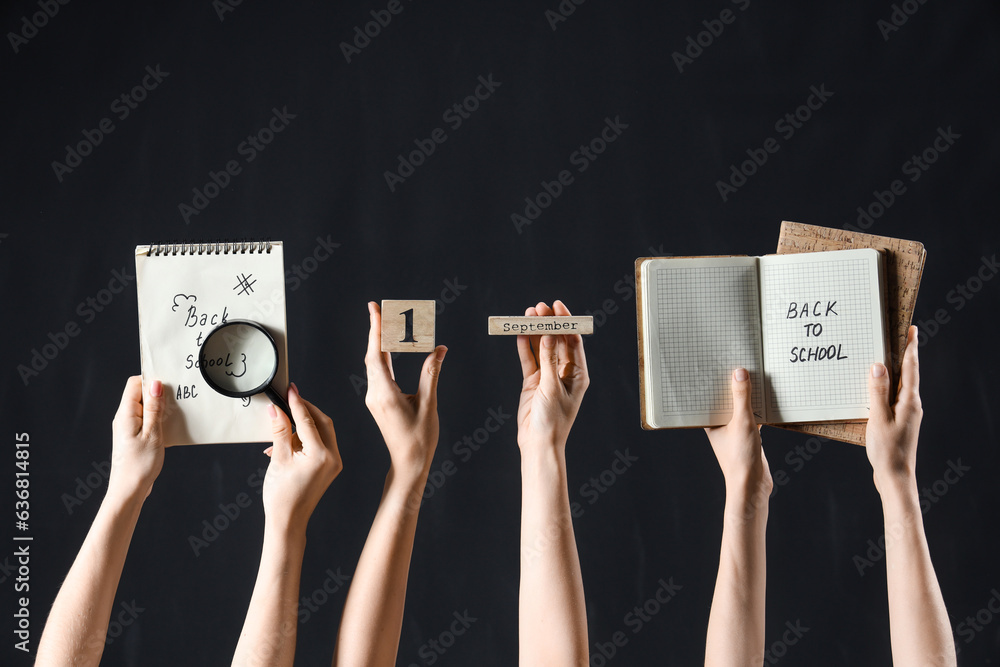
(703, 321)
(181, 299)
(822, 331)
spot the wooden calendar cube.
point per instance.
(408, 326)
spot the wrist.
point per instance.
(539, 453)
(748, 483)
(126, 495)
(541, 446)
(411, 458)
(899, 493)
(545, 468)
(409, 473)
(285, 528)
(404, 488)
(748, 499)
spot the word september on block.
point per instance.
(538, 326)
(408, 326)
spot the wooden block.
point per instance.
(408, 326)
(541, 325)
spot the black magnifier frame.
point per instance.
(265, 387)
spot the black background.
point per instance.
(653, 191)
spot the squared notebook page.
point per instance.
(842, 292)
(702, 321)
(236, 285)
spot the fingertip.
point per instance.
(134, 385)
(272, 413)
(913, 339)
(441, 351)
(156, 389)
(548, 342)
(292, 395)
(878, 392)
(741, 389)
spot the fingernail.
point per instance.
(741, 375)
(442, 350)
(293, 387)
(548, 341)
(271, 411)
(156, 389)
(878, 370)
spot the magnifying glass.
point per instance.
(239, 359)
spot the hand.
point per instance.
(408, 422)
(302, 464)
(891, 435)
(737, 444)
(555, 378)
(137, 436)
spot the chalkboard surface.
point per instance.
(488, 156)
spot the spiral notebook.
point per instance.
(186, 290)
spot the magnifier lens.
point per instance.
(239, 359)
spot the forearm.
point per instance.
(736, 622)
(918, 621)
(78, 622)
(373, 612)
(269, 632)
(552, 625)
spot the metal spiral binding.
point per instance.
(243, 246)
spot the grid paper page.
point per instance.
(706, 322)
(822, 330)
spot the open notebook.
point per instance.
(807, 327)
(185, 291)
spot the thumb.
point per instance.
(741, 387)
(878, 394)
(427, 389)
(152, 411)
(281, 435)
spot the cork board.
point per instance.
(904, 266)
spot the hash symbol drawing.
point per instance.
(244, 284)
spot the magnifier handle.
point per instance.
(280, 402)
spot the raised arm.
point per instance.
(301, 468)
(373, 611)
(552, 616)
(78, 622)
(918, 621)
(736, 623)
